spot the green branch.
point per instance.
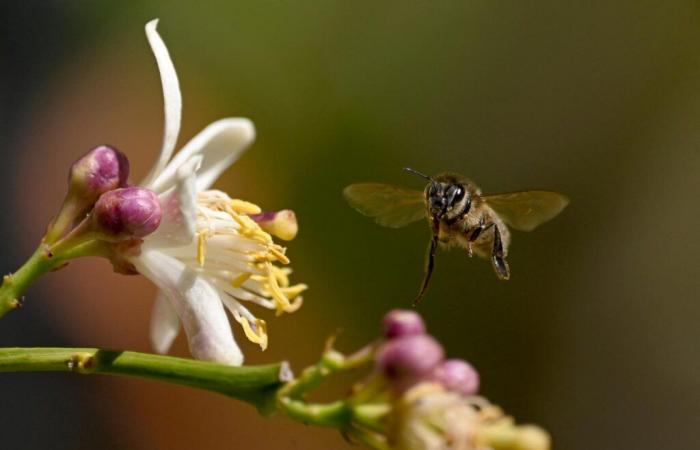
(15, 285)
(45, 258)
(256, 385)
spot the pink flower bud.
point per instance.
(457, 376)
(127, 213)
(409, 359)
(402, 322)
(100, 170)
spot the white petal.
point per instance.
(179, 206)
(171, 97)
(220, 144)
(196, 302)
(165, 324)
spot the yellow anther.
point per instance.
(282, 275)
(294, 305)
(281, 301)
(240, 279)
(243, 207)
(201, 248)
(278, 253)
(293, 292)
(259, 337)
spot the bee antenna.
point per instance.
(415, 172)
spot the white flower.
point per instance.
(208, 253)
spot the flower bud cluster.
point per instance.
(100, 203)
(410, 356)
(430, 402)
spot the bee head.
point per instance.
(447, 199)
(447, 195)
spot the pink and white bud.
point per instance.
(282, 224)
(409, 359)
(457, 376)
(100, 170)
(127, 213)
(402, 322)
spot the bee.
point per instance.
(458, 214)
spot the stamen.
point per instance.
(293, 292)
(240, 279)
(201, 248)
(282, 275)
(259, 337)
(295, 304)
(243, 207)
(278, 252)
(275, 292)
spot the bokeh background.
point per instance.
(596, 337)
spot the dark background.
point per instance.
(596, 335)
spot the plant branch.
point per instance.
(15, 285)
(45, 258)
(256, 385)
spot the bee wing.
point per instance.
(390, 206)
(527, 210)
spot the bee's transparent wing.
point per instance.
(390, 206)
(527, 210)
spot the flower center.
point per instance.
(240, 258)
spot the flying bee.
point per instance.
(458, 214)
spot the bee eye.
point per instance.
(455, 193)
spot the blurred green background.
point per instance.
(596, 335)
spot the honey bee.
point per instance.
(458, 214)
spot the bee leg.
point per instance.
(500, 265)
(429, 260)
(429, 265)
(476, 232)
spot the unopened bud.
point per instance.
(457, 376)
(127, 213)
(402, 322)
(100, 170)
(282, 224)
(409, 359)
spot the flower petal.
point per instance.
(165, 324)
(171, 97)
(179, 206)
(220, 144)
(196, 302)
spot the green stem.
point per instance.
(339, 414)
(256, 385)
(15, 285)
(45, 259)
